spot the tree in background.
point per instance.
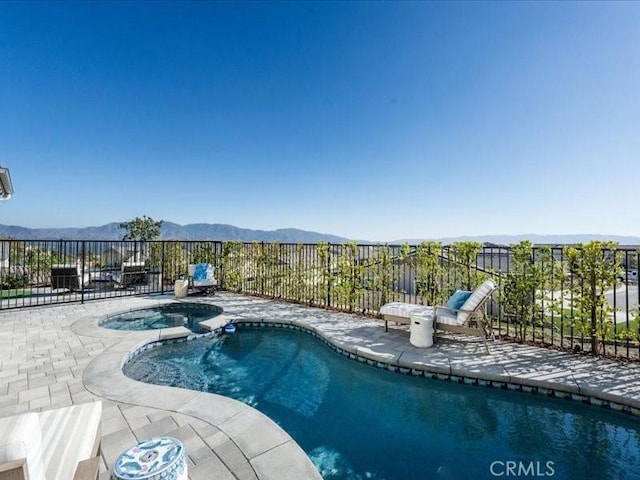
(463, 257)
(594, 268)
(263, 260)
(324, 278)
(174, 259)
(429, 273)
(382, 270)
(143, 229)
(532, 273)
(349, 276)
(204, 252)
(301, 274)
(232, 260)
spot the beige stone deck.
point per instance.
(55, 356)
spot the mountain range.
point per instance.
(172, 231)
(218, 231)
(560, 239)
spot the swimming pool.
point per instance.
(360, 422)
(176, 314)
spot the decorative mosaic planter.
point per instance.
(160, 458)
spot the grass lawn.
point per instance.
(563, 325)
(633, 323)
(15, 293)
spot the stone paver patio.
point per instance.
(56, 356)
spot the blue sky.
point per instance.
(377, 121)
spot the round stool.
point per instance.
(181, 288)
(421, 330)
(160, 458)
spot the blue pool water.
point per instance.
(177, 314)
(360, 422)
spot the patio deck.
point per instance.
(55, 356)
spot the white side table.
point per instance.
(181, 288)
(421, 330)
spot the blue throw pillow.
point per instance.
(200, 272)
(457, 299)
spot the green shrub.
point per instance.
(14, 280)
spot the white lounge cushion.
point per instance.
(400, 309)
(131, 265)
(69, 434)
(208, 282)
(20, 438)
(444, 316)
(447, 317)
(202, 274)
(478, 296)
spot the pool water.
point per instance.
(176, 314)
(360, 422)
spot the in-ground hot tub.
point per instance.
(176, 314)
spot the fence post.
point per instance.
(82, 272)
(328, 275)
(162, 268)
(261, 269)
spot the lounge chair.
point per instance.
(202, 279)
(61, 444)
(130, 274)
(68, 277)
(463, 313)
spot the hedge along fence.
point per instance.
(574, 297)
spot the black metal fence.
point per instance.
(348, 277)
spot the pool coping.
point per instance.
(270, 451)
(454, 358)
(459, 358)
(460, 375)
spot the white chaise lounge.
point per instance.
(202, 278)
(463, 313)
(60, 444)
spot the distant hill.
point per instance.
(172, 231)
(218, 231)
(533, 238)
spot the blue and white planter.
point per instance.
(160, 458)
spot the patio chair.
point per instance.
(130, 274)
(61, 444)
(68, 277)
(463, 312)
(202, 279)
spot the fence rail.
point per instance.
(353, 278)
